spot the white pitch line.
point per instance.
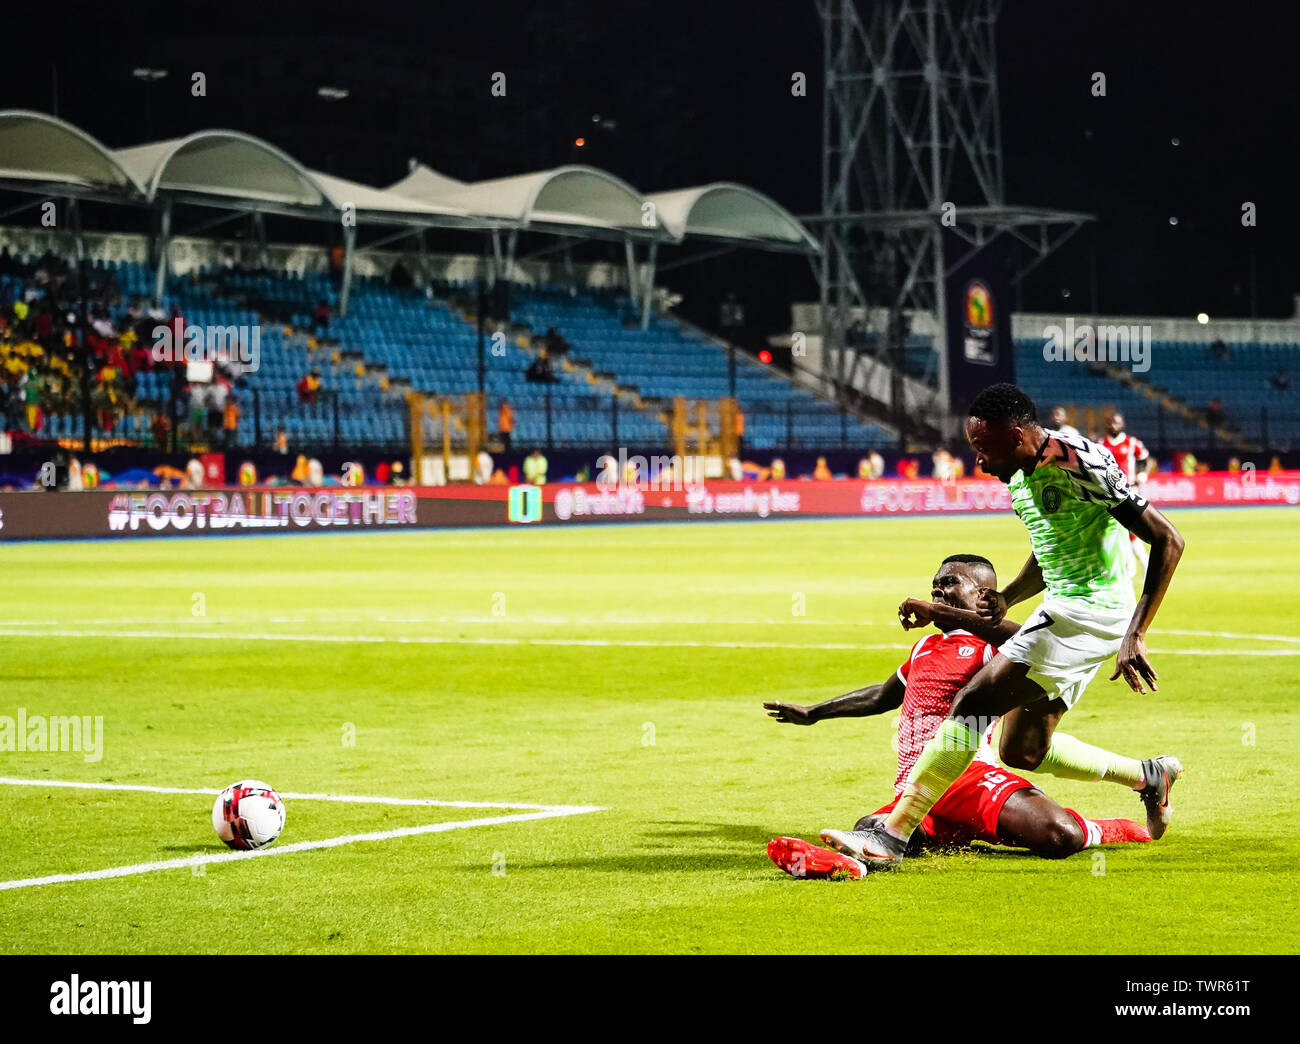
(299, 846)
(424, 639)
(598, 621)
(1226, 652)
(1231, 634)
(630, 643)
(347, 798)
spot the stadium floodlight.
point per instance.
(148, 75)
(333, 93)
(1202, 318)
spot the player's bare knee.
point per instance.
(1059, 837)
(1021, 756)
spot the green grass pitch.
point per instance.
(619, 667)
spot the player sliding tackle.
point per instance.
(1076, 504)
(988, 802)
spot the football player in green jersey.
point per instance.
(1079, 510)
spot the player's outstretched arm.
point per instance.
(917, 613)
(860, 703)
(1028, 582)
(1167, 545)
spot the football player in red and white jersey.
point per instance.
(988, 802)
(1134, 460)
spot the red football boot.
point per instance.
(800, 859)
(1113, 831)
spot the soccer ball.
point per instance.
(248, 814)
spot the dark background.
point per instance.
(700, 91)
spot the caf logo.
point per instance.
(1051, 499)
(966, 650)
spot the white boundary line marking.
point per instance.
(652, 643)
(540, 812)
(325, 618)
(298, 846)
(424, 639)
(140, 788)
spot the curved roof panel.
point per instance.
(42, 150)
(725, 210)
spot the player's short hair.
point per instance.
(971, 560)
(1004, 403)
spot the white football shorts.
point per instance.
(1065, 642)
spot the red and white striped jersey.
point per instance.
(936, 670)
(1128, 451)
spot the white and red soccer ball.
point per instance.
(248, 814)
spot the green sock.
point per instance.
(1070, 758)
(947, 755)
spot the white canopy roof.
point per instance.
(228, 168)
(223, 163)
(40, 150)
(377, 203)
(724, 210)
(573, 196)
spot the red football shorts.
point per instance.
(969, 809)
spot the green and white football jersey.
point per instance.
(1071, 501)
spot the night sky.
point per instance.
(700, 91)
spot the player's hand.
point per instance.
(1132, 665)
(992, 605)
(789, 713)
(914, 613)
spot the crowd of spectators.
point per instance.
(53, 358)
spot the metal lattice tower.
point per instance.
(911, 148)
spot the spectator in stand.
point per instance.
(198, 408)
(535, 466)
(32, 398)
(943, 466)
(281, 441)
(1281, 379)
(160, 427)
(740, 429)
(1061, 422)
(505, 424)
(218, 395)
(556, 345)
(1219, 349)
(230, 421)
(539, 370)
(1215, 414)
(322, 319)
(309, 388)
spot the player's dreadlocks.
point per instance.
(1004, 403)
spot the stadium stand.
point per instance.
(396, 338)
(1166, 406)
